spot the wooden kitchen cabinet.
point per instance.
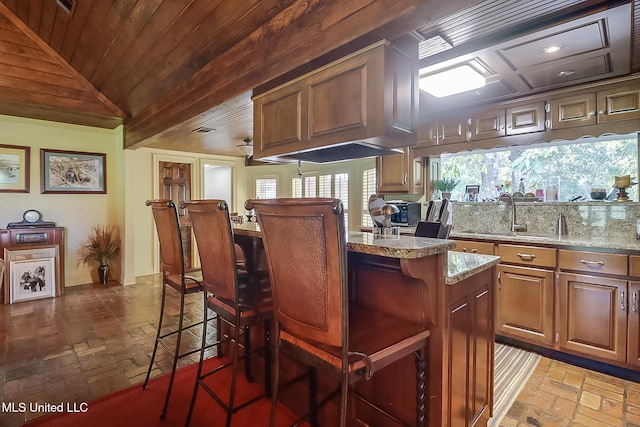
(572, 111)
(442, 132)
(524, 304)
(611, 104)
(278, 117)
(619, 102)
(593, 316)
(525, 118)
(489, 124)
(470, 246)
(369, 96)
(633, 324)
(468, 351)
(400, 173)
(525, 294)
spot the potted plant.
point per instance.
(445, 186)
(103, 246)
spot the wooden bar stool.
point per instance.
(165, 215)
(305, 246)
(233, 295)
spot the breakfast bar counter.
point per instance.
(451, 293)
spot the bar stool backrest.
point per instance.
(214, 236)
(305, 246)
(165, 215)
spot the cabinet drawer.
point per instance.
(634, 265)
(474, 247)
(593, 262)
(527, 255)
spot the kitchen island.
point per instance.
(416, 279)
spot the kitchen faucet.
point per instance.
(514, 226)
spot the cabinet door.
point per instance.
(593, 316)
(488, 125)
(619, 103)
(452, 131)
(416, 173)
(278, 122)
(572, 111)
(469, 352)
(525, 304)
(633, 334)
(392, 173)
(525, 118)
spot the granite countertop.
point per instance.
(388, 246)
(463, 265)
(629, 244)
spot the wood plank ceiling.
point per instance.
(167, 68)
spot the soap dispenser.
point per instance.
(562, 225)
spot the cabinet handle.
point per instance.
(499, 280)
(404, 179)
(622, 301)
(634, 302)
(592, 113)
(526, 257)
(602, 112)
(584, 261)
(472, 250)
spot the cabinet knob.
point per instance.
(592, 113)
(602, 112)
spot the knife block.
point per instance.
(434, 230)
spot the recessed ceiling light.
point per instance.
(564, 73)
(451, 81)
(552, 49)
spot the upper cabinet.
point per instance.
(370, 96)
(611, 104)
(525, 118)
(400, 173)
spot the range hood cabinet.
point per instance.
(363, 105)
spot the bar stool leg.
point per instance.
(175, 358)
(155, 346)
(276, 378)
(200, 362)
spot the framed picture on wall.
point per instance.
(72, 172)
(14, 169)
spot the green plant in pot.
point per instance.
(103, 246)
(445, 186)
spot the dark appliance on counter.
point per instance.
(408, 215)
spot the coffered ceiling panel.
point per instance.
(571, 42)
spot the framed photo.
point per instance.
(31, 274)
(14, 169)
(473, 193)
(72, 172)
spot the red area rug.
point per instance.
(137, 407)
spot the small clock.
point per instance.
(31, 216)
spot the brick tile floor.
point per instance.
(98, 339)
(560, 394)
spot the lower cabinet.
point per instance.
(593, 316)
(633, 325)
(468, 351)
(524, 301)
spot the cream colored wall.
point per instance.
(78, 213)
(143, 184)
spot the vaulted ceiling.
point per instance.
(180, 74)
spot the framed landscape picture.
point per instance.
(72, 172)
(14, 169)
